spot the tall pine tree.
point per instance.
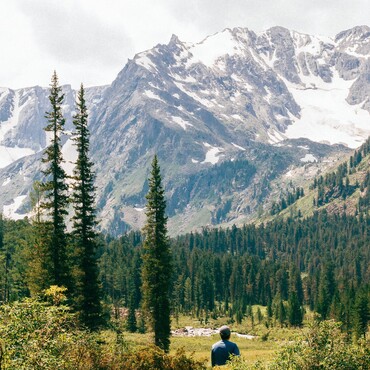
(157, 262)
(84, 222)
(55, 191)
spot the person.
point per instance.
(222, 350)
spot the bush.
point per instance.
(239, 363)
(153, 358)
(324, 347)
(37, 335)
(41, 335)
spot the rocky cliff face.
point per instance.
(224, 116)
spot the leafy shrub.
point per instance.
(153, 358)
(41, 335)
(324, 347)
(239, 363)
(37, 335)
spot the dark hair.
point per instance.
(225, 332)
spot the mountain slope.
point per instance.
(224, 116)
(345, 189)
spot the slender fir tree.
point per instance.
(84, 222)
(295, 312)
(55, 190)
(157, 262)
(361, 313)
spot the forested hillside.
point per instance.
(323, 260)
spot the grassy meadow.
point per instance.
(262, 348)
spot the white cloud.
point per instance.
(90, 40)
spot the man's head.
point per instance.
(225, 332)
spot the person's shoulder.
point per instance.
(217, 344)
(231, 344)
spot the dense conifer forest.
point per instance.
(324, 260)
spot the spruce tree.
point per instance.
(361, 313)
(295, 312)
(131, 324)
(84, 222)
(55, 191)
(157, 261)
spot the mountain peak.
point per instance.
(357, 33)
(174, 40)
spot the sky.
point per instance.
(90, 41)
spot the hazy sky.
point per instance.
(90, 41)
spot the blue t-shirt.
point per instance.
(221, 352)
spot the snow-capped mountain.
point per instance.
(224, 115)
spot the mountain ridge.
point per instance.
(197, 109)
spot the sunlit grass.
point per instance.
(263, 348)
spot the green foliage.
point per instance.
(15, 237)
(153, 358)
(286, 200)
(295, 311)
(323, 347)
(222, 178)
(157, 262)
(55, 188)
(87, 289)
(361, 313)
(37, 335)
(240, 363)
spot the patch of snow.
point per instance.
(268, 96)
(70, 154)
(352, 51)
(309, 158)
(275, 137)
(326, 115)
(188, 79)
(177, 96)
(150, 94)
(10, 210)
(181, 122)
(237, 116)
(269, 60)
(305, 147)
(12, 122)
(236, 78)
(6, 182)
(205, 102)
(238, 146)
(213, 154)
(212, 48)
(194, 161)
(9, 155)
(139, 209)
(289, 173)
(309, 44)
(144, 61)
